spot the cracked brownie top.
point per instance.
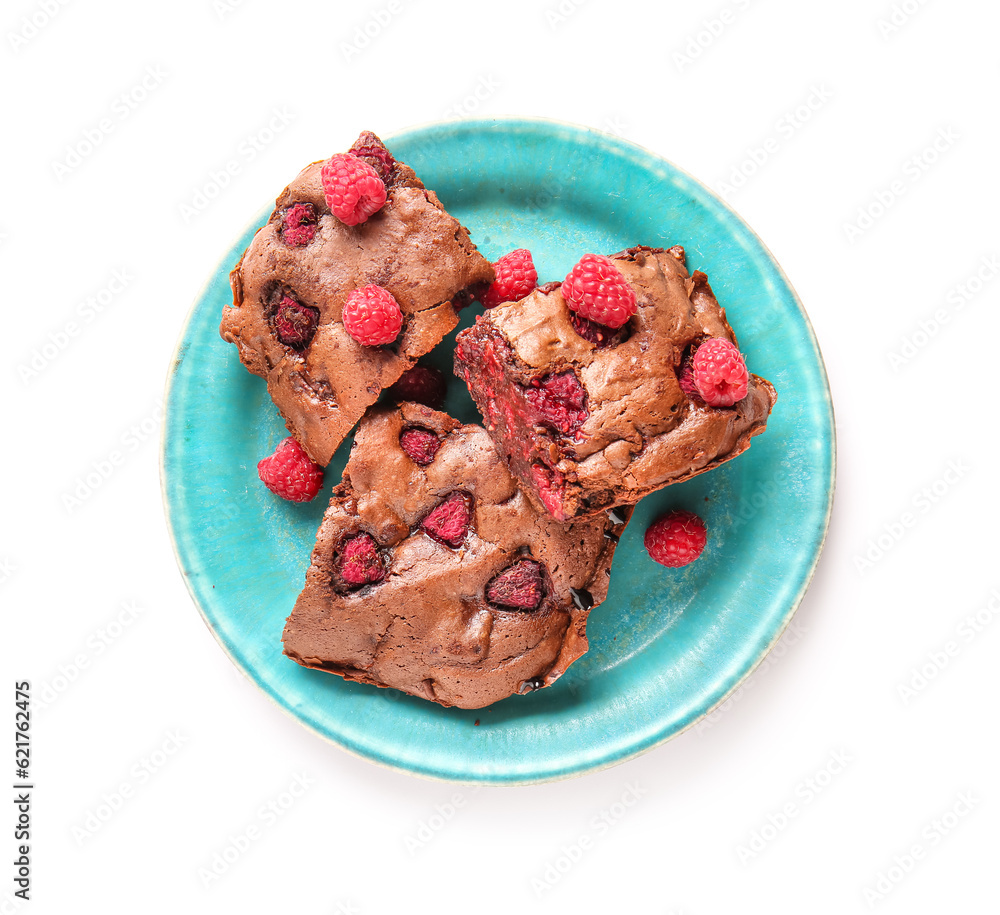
(434, 574)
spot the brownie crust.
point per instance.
(412, 247)
(427, 628)
(641, 431)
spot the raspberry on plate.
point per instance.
(589, 417)
(371, 316)
(598, 291)
(676, 539)
(290, 474)
(438, 577)
(516, 277)
(352, 188)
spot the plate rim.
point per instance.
(613, 143)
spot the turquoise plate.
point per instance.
(667, 646)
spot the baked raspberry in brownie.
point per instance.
(434, 574)
(588, 416)
(290, 287)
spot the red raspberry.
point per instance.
(421, 384)
(560, 401)
(596, 289)
(298, 225)
(353, 189)
(719, 373)
(516, 276)
(519, 587)
(290, 474)
(359, 562)
(551, 487)
(449, 520)
(371, 316)
(676, 539)
(295, 323)
(371, 149)
(419, 445)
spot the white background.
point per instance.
(845, 110)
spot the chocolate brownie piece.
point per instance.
(434, 574)
(291, 283)
(588, 417)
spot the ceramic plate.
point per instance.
(667, 645)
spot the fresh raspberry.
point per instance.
(560, 401)
(676, 539)
(519, 587)
(719, 372)
(298, 225)
(516, 276)
(371, 316)
(294, 323)
(359, 562)
(353, 189)
(420, 445)
(290, 474)
(449, 520)
(421, 384)
(596, 289)
(369, 148)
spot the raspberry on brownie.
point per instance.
(590, 416)
(291, 285)
(434, 574)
